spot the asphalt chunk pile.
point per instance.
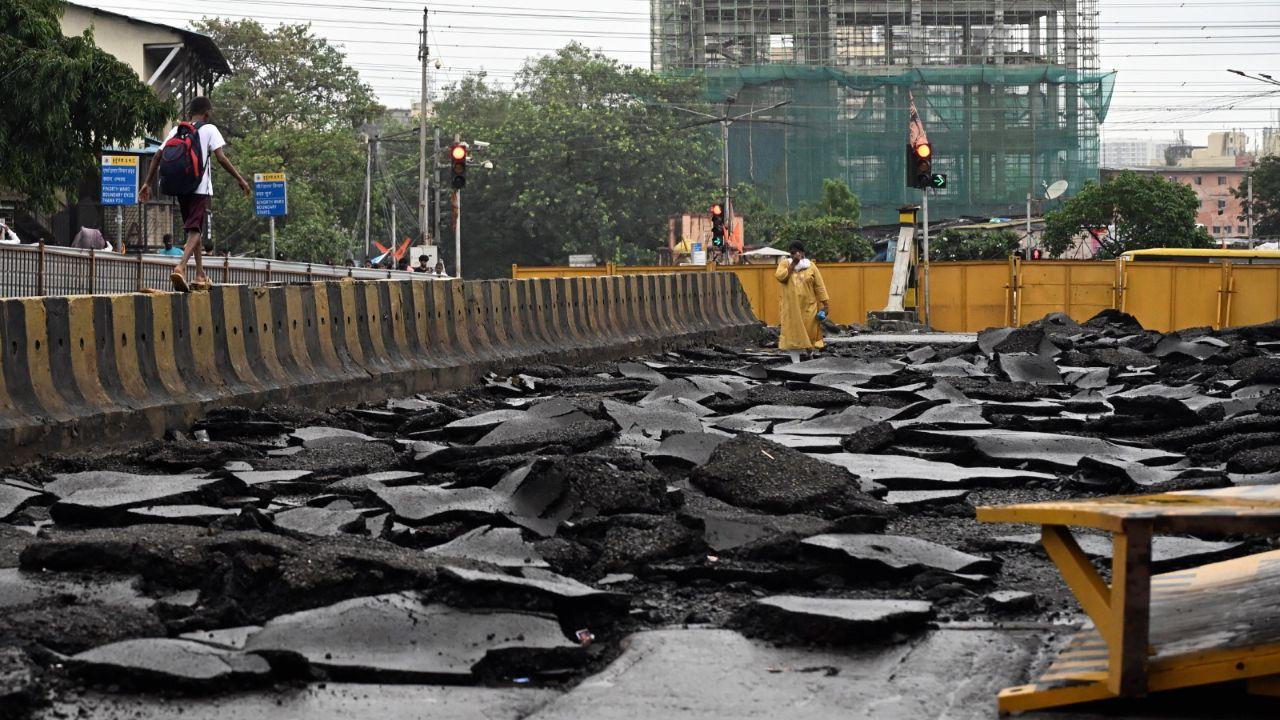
(513, 534)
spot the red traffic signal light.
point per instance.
(920, 165)
(458, 153)
(717, 211)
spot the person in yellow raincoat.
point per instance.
(801, 296)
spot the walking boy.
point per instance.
(193, 199)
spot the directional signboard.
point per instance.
(270, 196)
(119, 179)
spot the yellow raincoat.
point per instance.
(800, 297)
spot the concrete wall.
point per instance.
(123, 39)
(85, 372)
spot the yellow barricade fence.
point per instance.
(973, 296)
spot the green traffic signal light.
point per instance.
(937, 182)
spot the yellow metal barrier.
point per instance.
(1081, 290)
(1254, 295)
(973, 296)
(1175, 296)
(969, 296)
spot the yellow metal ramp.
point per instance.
(1210, 624)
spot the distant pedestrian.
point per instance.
(804, 304)
(7, 235)
(403, 264)
(168, 248)
(187, 176)
(90, 239)
(424, 264)
(440, 267)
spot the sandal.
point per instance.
(179, 282)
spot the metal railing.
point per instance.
(33, 270)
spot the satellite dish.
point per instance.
(1054, 191)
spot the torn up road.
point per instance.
(715, 533)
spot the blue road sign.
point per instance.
(119, 179)
(270, 194)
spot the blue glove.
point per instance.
(822, 315)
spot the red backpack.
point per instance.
(182, 161)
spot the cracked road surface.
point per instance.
(714, 533)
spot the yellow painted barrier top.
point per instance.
(1227, 510)
(1206, 254)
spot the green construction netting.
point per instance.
(998, 132)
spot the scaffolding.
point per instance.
(1009, 91)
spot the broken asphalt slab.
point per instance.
(878, 555)
(832, 621)
(902, 472)
(753, 473)
(398, 637)
(1059, 452)
(168, 663)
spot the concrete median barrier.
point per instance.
(86, 372)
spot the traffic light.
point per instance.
(717, 226)
(920, 166)
(938, 182)
(458, 155)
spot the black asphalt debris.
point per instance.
(514, 533)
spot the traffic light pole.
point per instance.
(924, 209)
(457, 234)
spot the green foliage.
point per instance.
(64, 99)
(826, 239)
(837, 200)
(828, 228)
(293, 106)
(1266, 198)
(762, 222)
(974, 245)
(589, 157)
(1146, 211)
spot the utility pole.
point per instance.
(725, 121)
(1249, 214)
(434, 217)
(393, 224)
(368, 194)
(423, 100)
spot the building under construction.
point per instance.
(1009, 91)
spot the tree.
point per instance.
(1266, 198)
(974, 245)
(293, 106)
(837, 200)
(826, 239)
(64, 100)
(589, 157)
(1145, 210)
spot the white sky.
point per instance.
(1172, 55)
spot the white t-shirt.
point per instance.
(210, 140)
